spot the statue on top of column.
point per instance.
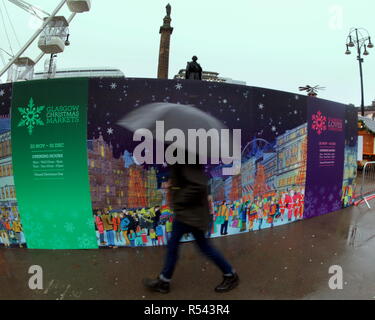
(169, 10)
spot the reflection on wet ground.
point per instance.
(288, 262)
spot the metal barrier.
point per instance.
(368, 183)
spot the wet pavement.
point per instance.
(288, 262)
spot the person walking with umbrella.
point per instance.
(189, 192)
(190, 204)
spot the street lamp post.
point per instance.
(360, 38)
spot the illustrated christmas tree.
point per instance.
(137, 192)
(153, 194)
(260, 186)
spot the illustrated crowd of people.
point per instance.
(10, 228)
(263, 211)
(153, 226)
(133, 228)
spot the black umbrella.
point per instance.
(185, 118)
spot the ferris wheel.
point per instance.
(256, 145)
(53, 36)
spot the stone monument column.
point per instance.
(166, 32)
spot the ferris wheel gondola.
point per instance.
(53, 33)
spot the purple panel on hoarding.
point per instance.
(325, 165)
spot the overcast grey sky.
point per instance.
(269, 43)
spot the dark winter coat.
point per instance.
(189, 195)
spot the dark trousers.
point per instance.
(179, 229)
(224, 228)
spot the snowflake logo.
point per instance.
(319, 123)
(30, 116)
(178, 86)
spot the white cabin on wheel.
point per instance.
(79, 6)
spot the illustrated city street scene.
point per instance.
(89, 182)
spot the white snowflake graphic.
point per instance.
(85, 241)
(274, 129)
(113, 85)
(69, 227)
(261, 106)
(90, 222)
(297, 97)
(225, 101)
(178, 86)
(2, 93)
(110, 131)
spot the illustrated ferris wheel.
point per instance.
(255, 146)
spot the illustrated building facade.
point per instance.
(291, 149)
(8, 199)
(119, 183)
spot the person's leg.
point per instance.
(6, 239)
(161, 284)
(231, 279)
(209, 230)
(226, 227)
(112, 238)
(126, 237)
(18, 237)
(172, 252)
(212, 253)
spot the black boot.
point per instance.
(157, 285)
(228, 284)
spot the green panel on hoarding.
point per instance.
(49, 142)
